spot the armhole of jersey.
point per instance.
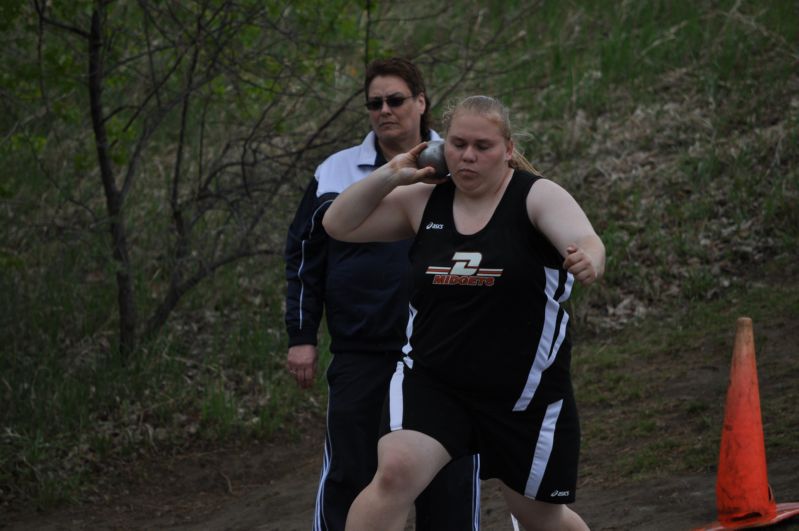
(438, 194)
(535, 235)
(527, 180)
(553, 256)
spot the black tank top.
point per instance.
(485, 312)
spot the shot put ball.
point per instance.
(433, 155)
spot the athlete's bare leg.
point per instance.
(535, 515)
(406, 462)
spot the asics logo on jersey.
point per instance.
(465, 271)
(559, 493)
(434, 226)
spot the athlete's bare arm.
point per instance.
(387, 205)
(561, 219)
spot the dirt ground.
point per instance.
(272, 489)
(271, 486)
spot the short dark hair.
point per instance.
(408, 72)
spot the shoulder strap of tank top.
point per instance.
(512, 207)
(439, 203)
(523, 181)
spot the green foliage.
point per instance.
(218, 412)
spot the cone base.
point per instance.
(784, 512)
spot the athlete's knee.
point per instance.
(395, 475)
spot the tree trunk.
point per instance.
(113, 196)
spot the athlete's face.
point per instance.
(397, 125)
(477, 152)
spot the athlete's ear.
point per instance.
(509, 151)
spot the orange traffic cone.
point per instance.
(743, 495)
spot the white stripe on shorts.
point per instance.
(551, 339)
(543, 449)
(395, 408)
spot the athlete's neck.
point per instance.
(472, 212)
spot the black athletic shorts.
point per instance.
(534, 452)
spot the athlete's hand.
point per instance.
(301, 363)
(405, 171)
(580, 264)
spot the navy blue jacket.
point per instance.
(361, 287)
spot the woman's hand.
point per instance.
(382, 207)
(404, 168)
(554, 212)
(301, 363)
(581, 264)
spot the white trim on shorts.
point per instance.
(543, 449)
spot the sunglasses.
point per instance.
(375, 104)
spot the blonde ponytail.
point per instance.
(519, 162)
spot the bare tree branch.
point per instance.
(41, 6)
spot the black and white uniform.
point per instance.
(487, 364)
(362, 290)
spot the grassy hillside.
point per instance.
(675, 124)
(653, 395)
